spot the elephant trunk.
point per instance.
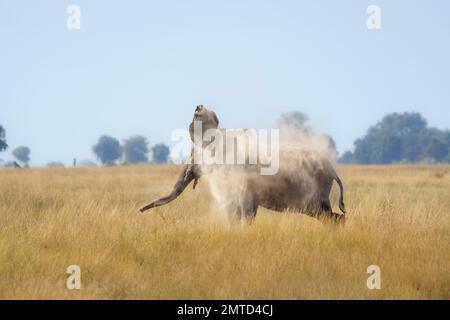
(189, 173)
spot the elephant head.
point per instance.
(208, 120)
(191, 171)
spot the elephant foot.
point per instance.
(333, 218)
(338, 219)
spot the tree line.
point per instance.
(108, 151)
(396, 138)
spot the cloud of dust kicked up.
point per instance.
(301, 152)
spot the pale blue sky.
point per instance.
(140, 67)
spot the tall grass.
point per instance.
(398, 219)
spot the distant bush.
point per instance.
(8, 164)
(54, 164)
(87, 163)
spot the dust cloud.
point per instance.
(301, 153)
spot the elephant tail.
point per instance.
(341, 196)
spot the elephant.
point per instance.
(303, 182)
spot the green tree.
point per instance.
(3, 144)
(107, 149)
(135, 149)
(160, 153)
(401, 138)
(22, 154)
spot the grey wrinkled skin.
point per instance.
(308, 193)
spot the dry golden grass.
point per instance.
(398, 218)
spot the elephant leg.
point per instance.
(234, 214)
(317, 208)
(249, 207)
(326, 206)
(323, 212)
(331, 216)
(338, 219)
(328, 216)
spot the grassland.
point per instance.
(398, 218)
